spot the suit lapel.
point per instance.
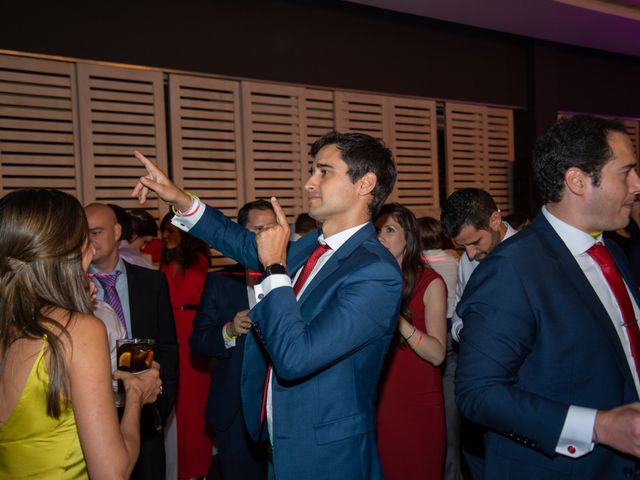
(300, 250)
(135, 312)
(567, 265)
(338, 257)
(623, 267)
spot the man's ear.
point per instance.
(368, 183)
(576, 181)
(495, 220)
(117, 230)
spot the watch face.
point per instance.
(275, 269)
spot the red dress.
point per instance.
(411, 422)
(194, 443)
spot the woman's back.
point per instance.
(32, 443)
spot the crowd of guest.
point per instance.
(330, 350)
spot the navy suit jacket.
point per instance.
(327, 351)
(536, 340)
(224, 294)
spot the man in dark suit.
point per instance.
(219, 330)
(550, 350)
(326, 337)
(144, 308)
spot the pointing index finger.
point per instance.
(280, 215)
(149, 165)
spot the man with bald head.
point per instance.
(140, 297)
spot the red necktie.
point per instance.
(604, 259)
(308, 267)
(301, 280)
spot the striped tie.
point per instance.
(108, 282)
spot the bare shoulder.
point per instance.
(86, 329)
(83, 330)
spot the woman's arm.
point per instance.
(432, 344)
(110, 449)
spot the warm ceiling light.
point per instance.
(620, 8)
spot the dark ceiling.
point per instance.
(610, 25)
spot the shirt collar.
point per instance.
(336, 240)
(510, 231)
(119, 268)
(577, 241)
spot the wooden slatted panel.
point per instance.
(479, 150)
(206, 142)
(414, 139)
(362, 113)
(464, 133)
(500, 155)
(319, 119)
(39, 145)
(274, 144)
(121, 110)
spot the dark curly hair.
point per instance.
(468, 206)
(363, 154)
(580, 141)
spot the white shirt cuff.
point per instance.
(577, 432)
(187, 220)
(270, 283)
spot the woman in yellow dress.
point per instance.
(57, 415)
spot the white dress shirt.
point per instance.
(578, 425)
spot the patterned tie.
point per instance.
(301, 280)
(111, 296)
(604, 259)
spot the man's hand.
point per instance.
(272, 242)
(240, 325)
(158, 181)
(619, 428)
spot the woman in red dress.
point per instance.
(411, 422)
(185, 262)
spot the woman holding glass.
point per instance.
(57, 412)
(411, 422)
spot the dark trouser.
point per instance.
(151, 462)
(452, 458)
(473, 447)
(240, 457)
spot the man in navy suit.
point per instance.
(326, 337)
(219, 330)
(548, 354)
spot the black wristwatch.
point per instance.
(274, 269)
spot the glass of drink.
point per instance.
(134, 355)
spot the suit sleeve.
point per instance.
(206, 338)
(499, 335)
(233, 240)
(362, 309)
(167, 350)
